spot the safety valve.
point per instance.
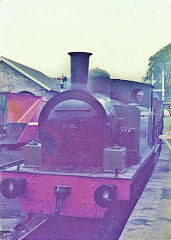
(12, 187)
(105, 195)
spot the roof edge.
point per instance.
(24, 73)
(124, 80)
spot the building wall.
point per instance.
(13, 81)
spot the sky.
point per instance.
(121, 34)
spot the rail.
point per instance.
(166, 138)
(12, 164)
(24, 237)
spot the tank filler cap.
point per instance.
(33, 142)
(116, 147)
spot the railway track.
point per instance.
(62, 229)
(31, 232)
(75, 228)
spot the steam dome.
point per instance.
(99, 82)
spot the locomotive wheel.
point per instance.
(114, 221)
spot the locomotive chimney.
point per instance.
(79, 70)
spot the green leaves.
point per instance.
(159, 62)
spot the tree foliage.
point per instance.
(158, 63)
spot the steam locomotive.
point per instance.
(98, 144)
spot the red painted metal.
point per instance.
(39, 196)
(31, 130)
(21, 107)
(24, 108)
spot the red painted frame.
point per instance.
(39, 196)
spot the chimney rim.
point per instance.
(72, 53)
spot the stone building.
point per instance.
(15, 77)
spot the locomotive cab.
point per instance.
(133, 104)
